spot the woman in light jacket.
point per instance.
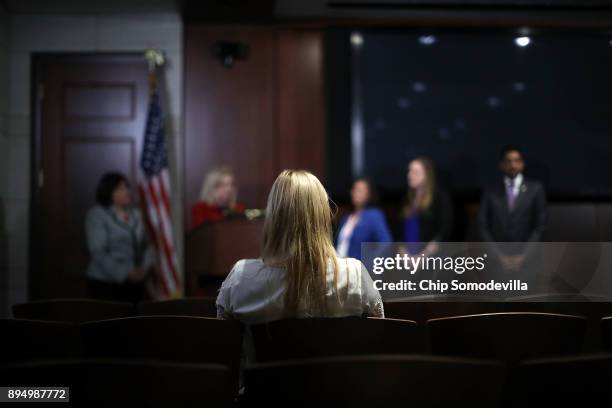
(299, 274)
(121, 256)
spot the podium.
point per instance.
(214, 247)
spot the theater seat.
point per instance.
(109, 383)
(606, 331)
(203, 307)
(508, 337)
(168, 338)
(26, 340)
(438, 306)
(72, 310)
(560, 298)
(326, 337)
(375, 381)
(576, 381)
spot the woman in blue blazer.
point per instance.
(363, 224)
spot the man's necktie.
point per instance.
(510, 193)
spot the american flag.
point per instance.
(154, 190)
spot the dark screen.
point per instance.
(461, 96)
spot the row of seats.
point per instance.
(430, 381)
(83, 310)
(78, 311)
(507, 337)
(419, 308)
(370, 357)
(363, 381)
(423, 308)
(167, 338)
(99, 382)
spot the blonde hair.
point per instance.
(211, 182)
(421, 202)
(298, 236)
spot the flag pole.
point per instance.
(156, 188)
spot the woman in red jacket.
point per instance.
(217, 199)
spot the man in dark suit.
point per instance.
(514, 210)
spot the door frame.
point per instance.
(36, 229)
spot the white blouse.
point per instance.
(253, 293)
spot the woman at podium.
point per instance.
(218, 198)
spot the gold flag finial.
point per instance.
(155, 58)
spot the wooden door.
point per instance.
(89, 119)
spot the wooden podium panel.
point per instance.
(213, 248)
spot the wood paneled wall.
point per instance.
(262, 115)
(301, 112)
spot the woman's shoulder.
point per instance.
(374, 212)
(202, 212)
(350, 265)
(354, 274)
(241, 268)
(201, 205)
(247, 265)
(96, 212)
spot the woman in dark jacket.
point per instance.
(427, 212)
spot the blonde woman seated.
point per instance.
(299, 275)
